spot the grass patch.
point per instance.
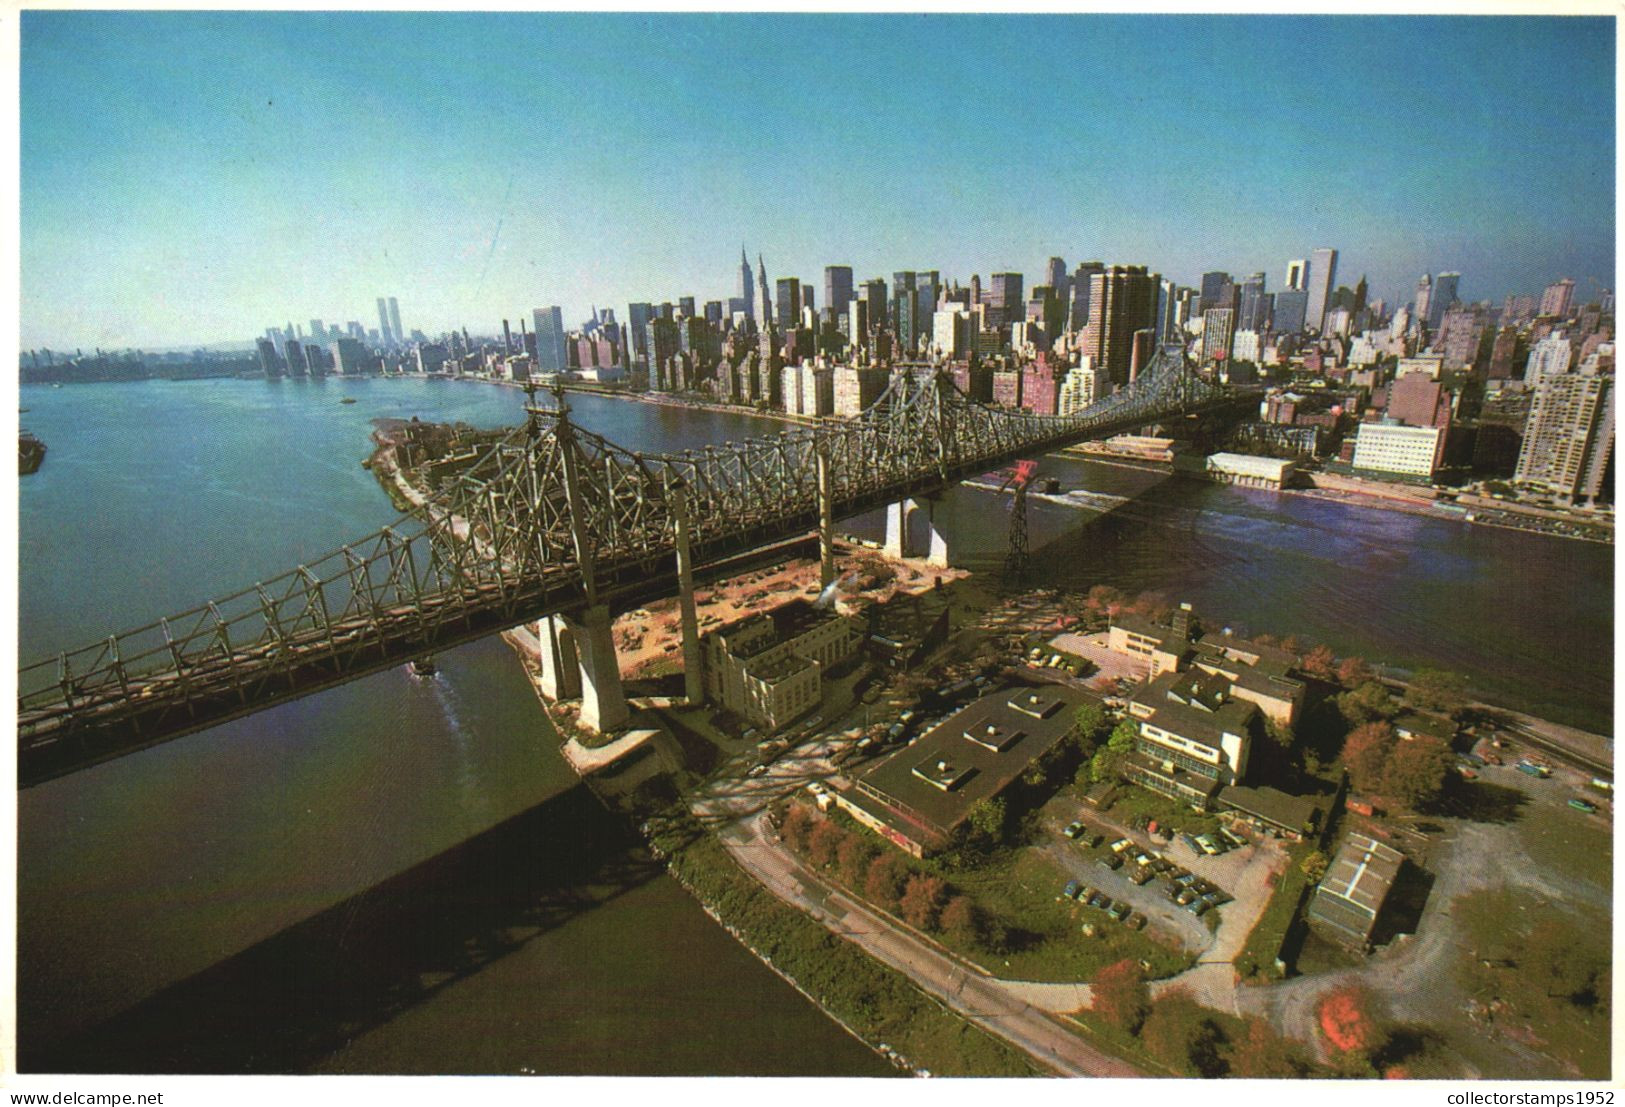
(1046, 940)
(1257, 956)
(1569, 841)
(1135, 801)
(878, 1003)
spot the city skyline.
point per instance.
(276, 183)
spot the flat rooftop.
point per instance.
(1356, 883)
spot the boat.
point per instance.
(30, 453)
(348, 400)
(421, 667)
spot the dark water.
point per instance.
(240, 859)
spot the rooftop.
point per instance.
(1356, 883)
(1195, 705)
(1273, 806)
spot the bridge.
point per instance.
(557, 525)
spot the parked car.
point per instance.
(1232, 837)
(756, 770)
(1141, 876)
(1207, 845)
(1136, 921)
(1527, 766)
(1191, 842)
(1143, 859)
(1100, 900)
(1473, 759)
(1186, 880)
(1119, 911)
(1583, 805)
(1093, 841)
(1185, 896)
(1073, 830)
(1111, 861)
(1466, 772)
(1122, 844)
(1085, 892)
(1070, 891)
(1197, 906)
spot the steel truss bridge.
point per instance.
(551, 520)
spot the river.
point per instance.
(155, 891)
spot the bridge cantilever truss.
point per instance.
(550, 514)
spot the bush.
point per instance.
(1120, 995)
(922, 901)
(1182, 1034)
(883, 886)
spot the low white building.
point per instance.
(1395, 448)
(1250, 470)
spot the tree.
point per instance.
(987, 818)
(1293, 644)
(1181, 1034)
(825, 840)
(852, 859)
(1153, 605)
(883, 886)
(1416, 769)
(1091, 727)
(798, 824)
(922, 900)
(1260, 1053)
(1348, 1021)
(961, 921)
(1320, 663)
(1108, 761)
(1120, 995)
(1314, 866)
(1556, 961)
(1266, 640)
(1436, 690)
(1280, 733)
(1365, 755)
(1103, 599)
(1365, 703)
(1353, 672)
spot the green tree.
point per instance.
(1314, 866)
(1436, 690)
(988, 817)
(1280, 733)
(1368, 702)
(1556, 961)
(852, 859)
(1119, 995)
(824, 842)
(1091, 723)
(1103, 599)
(797, 826)
(1182, 1034)
(961, 921)
(1353, 672)
(1415, 771)
(922, 900)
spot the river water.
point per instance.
(284, 856)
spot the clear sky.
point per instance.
(196, 177)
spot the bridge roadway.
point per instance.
(553, 521)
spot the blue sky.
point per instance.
(196, 177)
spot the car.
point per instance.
(1111, 861)
(1531, 768)
(1197, 907)
(1232, 837)
(908, 717)
(1073, 830)
(1185, 880)
(756, 770)
(1070, 891)
(1085, 891)
(1191, 842)
(1211, 899)
(1473, 759)
(1141, 876)
(1093, 841)
(1119, 911)
(1122, 844)
(1135, 921)
(1209, 846)
(1219, 895)
(1583, 805)
(1143, 859)
(1185, 896)
(1101, 900)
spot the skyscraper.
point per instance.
(383, 323)
(874, 294)
(765, 318)
(1254, 304)
(837, 289)
(1444, 297)
(1218, 290)
(1291, 307)
(551, 356)
(395, 322)
(1557, 298)
(1297, 276)
(787, 307)
(904, 324)
(1080, 292)
(744, 285)
(1570, 436)
(1322, 279)
(1056, 277)
(1122, 300)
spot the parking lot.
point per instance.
(1109, 664)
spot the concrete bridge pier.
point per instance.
(899, 539)
(603, 701)
(693, 659)
(561, 671)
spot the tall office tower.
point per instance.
(1217, 291)
(857, 324)
(1055, 276)
(1122, 300)
(1605, 301)
(637, 322)
(270, 363)
(927, 286)
(1004, 300)
(1291, 311)
(837, 289)
(1570, 436)
(1443, 299)
(1557, 298)
(787, 306)
(744, 285)
(765, 318)
(904, 323)
(395, 322)
(1361, 290)
(685, 304)
(873, 293)
(551, 356)
(507, 338)
(1253, 309)
(1424, 297)
(1322, 279)
(295, 354)
(1164, 326)
(1218, 329)
(950, 333)
(317, 331)
(809, 302)
(713, 312)
(383, 323)
(1080, 292)
(975, 289)
(1297, 275)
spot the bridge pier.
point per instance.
(826, 522)
(693, 658)
(603, 701)
(899, 541)
(561, 671)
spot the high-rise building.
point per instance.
(837, 288)
(1218, 328)
(1322, 279)
(1557, 299)
(1297, 275)
(1444, 298)
(1253, 310)
(1549, 357)
(1164, 326)
(950, 333)
(1122, 300)
(905, 322)
(1218, 290)
(765, 317)
(395, 322)
(637, 316)
(383, 323)
(1290, 311)
(857, 324)
(1424, 297)
(1570, 436)
(1055, 276)
(551, 355)
(1077, 389)
(873, 292)
(1080, 292)
(317, 331)
(744, 285)
(685, 304)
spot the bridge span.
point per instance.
(552, 521)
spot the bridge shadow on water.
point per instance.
(283, 1005)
